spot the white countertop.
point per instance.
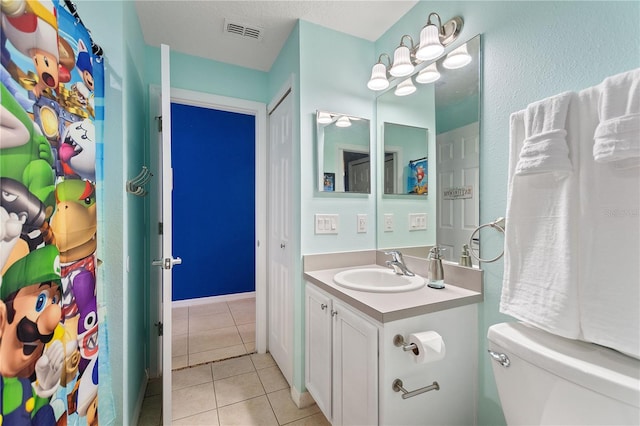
(386, 307)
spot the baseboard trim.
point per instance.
(137, 410)
(302, 400)
(212, 299)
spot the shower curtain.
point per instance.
(50, 129)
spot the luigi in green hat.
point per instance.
(29, 313)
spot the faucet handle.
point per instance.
(395, 255)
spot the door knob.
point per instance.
(167, 262)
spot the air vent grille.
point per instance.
(243, 30)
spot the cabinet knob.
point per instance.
(334, 313)
(323, 306)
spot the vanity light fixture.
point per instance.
(343, 121)
(405, 88)
(457, 58)
(402, 65)
(324, 117)
(433, 40)
(428, 75)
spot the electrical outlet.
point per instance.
(326, 223)
(388, 222)
(417, 221)
(361, 223)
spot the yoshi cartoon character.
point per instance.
(77, 151)
(25, 154)
(29, 314)
(32, 28)
(74, 223)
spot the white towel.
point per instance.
(540, 260)
(617, 137)
(609, 238)
(545, 148)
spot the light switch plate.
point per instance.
(388, 222)
(361, 223)
(326, 223)
(417, 221)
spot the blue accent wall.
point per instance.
(213, 158)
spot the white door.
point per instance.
(458, 168)
(280, 264)
(167, 261)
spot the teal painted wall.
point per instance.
(531, 50)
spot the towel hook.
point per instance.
(135, 185)
(499, 224)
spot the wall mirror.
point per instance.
(443, 117)
(343, 153)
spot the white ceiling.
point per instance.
(195, 27)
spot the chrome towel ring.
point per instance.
(499, 225)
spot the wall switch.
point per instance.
(361, 223)
(326, 223)
(417, 221)
(388, 222)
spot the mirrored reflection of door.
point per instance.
(389, 173)
(357, 172)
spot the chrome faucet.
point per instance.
(397, 263)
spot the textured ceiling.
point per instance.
(196, 27)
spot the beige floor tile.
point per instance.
(250, 347)
(179, 344)
(208, 309)
(316, 420)
(178, 362)
(244, 317)
(208, 418)
(180, 326)
(192, 400)
(216, 354)
(200, 323)
(272, 379)
(238, 388)
(262, 360)
(253, 412)
(232, 367)
(248, 304)
(213, 339)
(151, 411)
(247, 332)
(191, 376)
(285, 409)
(181, 312)
(154, 387)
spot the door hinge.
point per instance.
(160, 328)
(159, 118)
(160, 228)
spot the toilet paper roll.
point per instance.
(430, 346)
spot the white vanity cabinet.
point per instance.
(341, 360)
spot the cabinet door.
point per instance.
(355, 368)
(318, 348)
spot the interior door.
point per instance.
(280, 265)
(458, 168)
(166, 262)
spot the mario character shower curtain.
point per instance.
(51, 89)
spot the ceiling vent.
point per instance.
(243, 30)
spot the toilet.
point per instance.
(544, 379)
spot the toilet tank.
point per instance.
(551, 380)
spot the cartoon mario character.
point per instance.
(29, 314)
(77, 152)
(32, 28)
(74, 223)
(25, 154)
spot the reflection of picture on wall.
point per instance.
(417, 177)
(329, 181)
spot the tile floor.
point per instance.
(248, 390)
(213, 331)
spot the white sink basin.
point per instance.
(377, 280)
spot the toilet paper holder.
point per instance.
(398, 386)
(399, 341)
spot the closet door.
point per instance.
(280, 264)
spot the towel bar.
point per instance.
(397, 387)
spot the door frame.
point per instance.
(259, 111)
